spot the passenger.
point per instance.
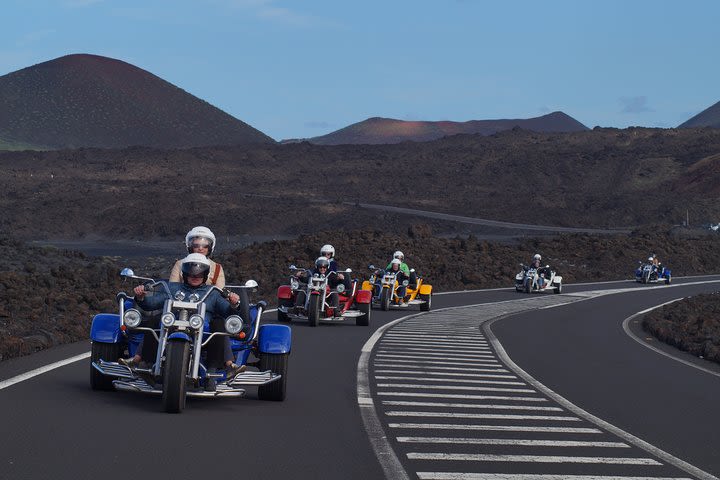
(400, 277)
(198, 240)
(535, 262)
(328, 251)
(412, 277)
(201, 240)
(195, 269)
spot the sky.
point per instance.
(298, 69)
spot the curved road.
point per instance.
(54, 426)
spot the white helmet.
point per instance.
(399, 255)
(396, 261)
(195, 264)
(537, 257)
(650, 259)
(200, 232)
(328, 249)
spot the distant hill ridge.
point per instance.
(710, 117)
(378, 130)
(86, 100)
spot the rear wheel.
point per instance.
(364, 319)
(385, 299)
(425, 306)
(277, 363)
(102, 351)
(177, 357)
(314, 310)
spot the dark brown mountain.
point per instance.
(93, 101)
(378, 130)
(710, 117)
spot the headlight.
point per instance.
(132, 318)
(340, 288)
(167, 319)
(406, 283)
(196, 321)
(233, 324)
(294, 284)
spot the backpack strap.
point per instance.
(216, 274)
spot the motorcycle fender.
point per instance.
(666, 272)
(363, 296)
(367, 285)
(105, 328)
(284, 292)
(425, 289)
(179, 335)
(274, 339)
(557, 279)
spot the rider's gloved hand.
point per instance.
(139, 292)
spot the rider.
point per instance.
(395, 267)
(322, 267)
(403, 267)
(398, 255)
(536, 264)
(655, 261)
(195, 269)
(201, 240)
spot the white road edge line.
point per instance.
(39, 371)
(625, 436)
(626, 328)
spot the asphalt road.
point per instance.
(54, 426)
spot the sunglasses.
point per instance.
(200, 245)
(197, 276)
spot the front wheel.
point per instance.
(385, 299)
(314, 310)
(277, 363)
(668, 280)
(282, 316)
(425, 306)
(364, 319)
(102, 351)
(558, 289)
(528, 285)
(177, 357)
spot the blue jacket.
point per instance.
(215, 303)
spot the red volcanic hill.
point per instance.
(93, 101)
(710, 117)
(387, 130)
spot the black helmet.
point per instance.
(322, 262)
(195, 264)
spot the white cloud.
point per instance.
(318, 124)
(34, 37)
(635, 104)
(80, 3)
(269, 10)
